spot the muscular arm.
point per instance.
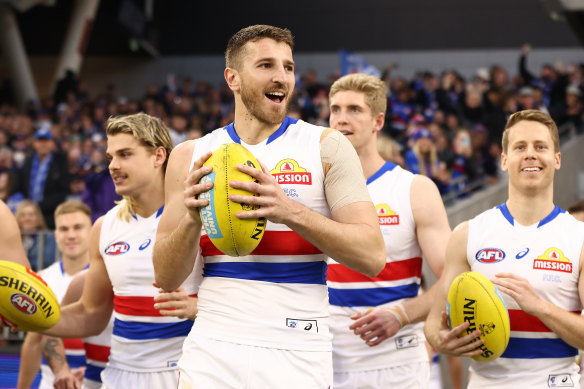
(30, 360)
(433, 232)
(53, 348)
(179, 230)
(567, 325)
(10, 240)
(436, 329)
(90, 315)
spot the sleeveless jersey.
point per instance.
(142, 340)
(547, 254)
(97, 350)
(351, 292)
(56, 277)
(276, 296)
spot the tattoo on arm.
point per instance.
(51, 353)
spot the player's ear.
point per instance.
(232, 78)
(379, 121)
(159, 156)
(503, 162)
(558, 159)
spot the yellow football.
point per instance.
(474, 298)
(25, 299)
(229, 234)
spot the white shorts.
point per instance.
(412, 376)
(113, 378)
(90, 384)
(207, 363)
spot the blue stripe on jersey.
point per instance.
(371, 297)
(93, 372)
(72, 360)
(530, 348)
(278, 272)
(282, 129)
(387, 167)
(145, 331)
(553, 214)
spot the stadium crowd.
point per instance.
(440, 125)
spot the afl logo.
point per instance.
(117, 248)
(145, 244)
(490, 255)
(23, 303)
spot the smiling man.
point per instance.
(263, 318)
(73, 227)
(539, 273)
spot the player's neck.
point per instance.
(371, 162)
(251, 130)
(73, 265)
(147, 203)
(530, 208)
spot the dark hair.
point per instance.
(235, 46)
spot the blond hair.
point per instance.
(72, 207)
(374, 89)
(532, 115)
(41, 224)
(152, 133)
(433, 159)
(236, 45)
(388, 149)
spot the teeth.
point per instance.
(531, 169)
(277, 94)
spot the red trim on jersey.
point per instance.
(73, 343)
(273, 243)
(137, 305)
(393, 271)
(521, 321)
(97, 352)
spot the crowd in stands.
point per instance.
(440, 125)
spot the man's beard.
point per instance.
(253, 104)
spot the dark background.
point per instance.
(183, 27)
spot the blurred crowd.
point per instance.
(440, 125)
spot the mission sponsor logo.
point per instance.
(386, 216)
(288, 171)
(553, 259)
(490, 255)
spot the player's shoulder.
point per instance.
(184, 149)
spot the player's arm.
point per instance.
(433, 232)
(30, 360)
(179, 230)
(53, 348)
(436, 328)
(567, 325)
(91, 314)
(10, 240)
(352, 236)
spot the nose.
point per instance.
(338, 118)
(113, 164)
(279, 75)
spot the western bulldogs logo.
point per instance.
(117, 248)
(490, 255)
(23, 303)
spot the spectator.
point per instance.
(465, 168)
(570, 110)
(422, 159)
(6, 190)
(44, 177)
(36, 239)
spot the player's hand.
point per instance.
(374, 325)
(273, 203)
(520, 290)
(193, 187)
(6, 323)
(450, 343)
(69, 379)
(176, 303)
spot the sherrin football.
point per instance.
(25, 299)
(231, 235)
(474, 298)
